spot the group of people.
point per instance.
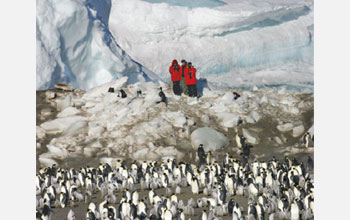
(186, 74)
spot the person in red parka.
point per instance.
(191, 81)
(175, 73)
(183, 71)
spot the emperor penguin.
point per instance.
(294, 211)
(201, 155)
(111, 213)
(307, 140)
(141, 210)
(252, 210)
(189, 177)
(165, 180)
(180, 215)
(260, 211)
(135, 197)
(167, 215)
(151, 195)
(221, 194)
(46, 212)
(194, 185)
(237, 209)
(38, 215)
(230, 206)
(90, 215)
(204, 215)
(102, 206)
(63, 199)
(240, 140)
(124, 209)
(209, 157)
(253, 189)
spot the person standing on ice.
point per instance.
(183, 70)
(175, 73)
(191, 81)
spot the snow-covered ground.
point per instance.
(238, 43)
(99, 124)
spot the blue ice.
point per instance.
(191, 4)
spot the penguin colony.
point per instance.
(275, 189)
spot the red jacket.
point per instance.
(174, 70)
(190, 76)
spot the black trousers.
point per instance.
(192, 90)
(176, 88)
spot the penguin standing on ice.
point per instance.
(246, 149)
(201, 155)
(240, 140)
(139, 93)
(122, 93)
(307, 140)
(162, 96)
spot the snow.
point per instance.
(211, 139)
(231, 43)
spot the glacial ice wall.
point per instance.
(74, 46)
(232, 43)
